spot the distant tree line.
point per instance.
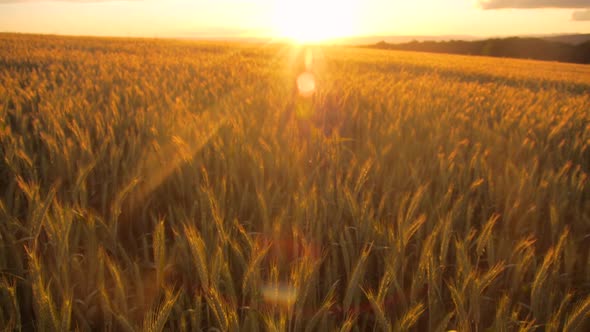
(525, 48)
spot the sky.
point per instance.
(304, 19)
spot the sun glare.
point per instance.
(312, 21)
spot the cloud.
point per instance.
(582, 15)
(499, 4)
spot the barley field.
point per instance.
(154, 185)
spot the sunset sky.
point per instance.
(303, 19)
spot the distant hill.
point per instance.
(364, 40)
(515, 47)
(574, 39)
(569, 39)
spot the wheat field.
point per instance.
(153, 185)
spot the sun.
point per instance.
(313, 21)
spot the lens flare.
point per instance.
(306, 84)
(283, 295)
(308, 59)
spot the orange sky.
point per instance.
(303, 19)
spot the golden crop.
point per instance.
(166, 185)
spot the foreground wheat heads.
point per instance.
(166, 185)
